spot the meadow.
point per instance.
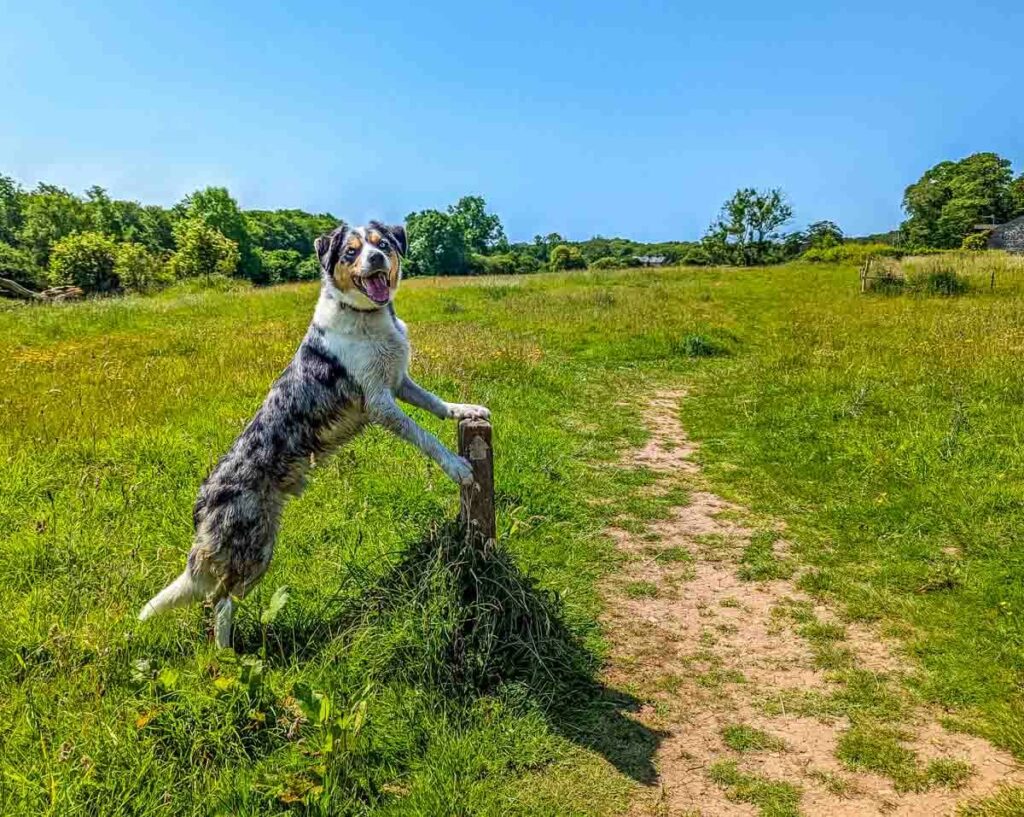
(885, 430)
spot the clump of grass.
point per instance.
(881, 749)
(835, 784)
(940, 282)
(773, 798)
(641, 590)
(1006, 802)
(696, 345)
(465, 620)
(759, 562)
(743, 738)
(673, 555)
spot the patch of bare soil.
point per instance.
(710, 650)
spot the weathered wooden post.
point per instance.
(477, 512)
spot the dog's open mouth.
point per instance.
(375, 287)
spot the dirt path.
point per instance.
(708, 625)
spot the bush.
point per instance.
(564, 257)
(139, 270)
(975, 241)
(202, 251)
(608, 262)
(17, 265)
(697, 257)
(86, 260)
(850, 253)
(308, 269)
(503, 264)
(943, 281)
(280, 265)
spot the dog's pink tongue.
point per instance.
(377, 288)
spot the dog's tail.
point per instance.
(178, 593)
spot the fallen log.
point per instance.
(20, 291)
(53, 294)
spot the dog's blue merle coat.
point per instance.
(240, 502)
(348, 371)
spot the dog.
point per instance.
(349, 371)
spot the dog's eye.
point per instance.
(382, 244)
(351, 253)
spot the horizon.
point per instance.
(328, 112)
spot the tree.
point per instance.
(86, 260)
(950, 198)
(437, 244)
(202, 251)
(823, 234)
(747, 229)
(49, 214)
(155, 229)
(215, 207)
(565, 257)
(11, 197)
(287, 229)
(281, 265)
(482, 230)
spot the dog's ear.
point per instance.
(396, 232)
(328, 247)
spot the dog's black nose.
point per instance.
(377, 260)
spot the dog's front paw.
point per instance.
(459, 471)
(467, 411)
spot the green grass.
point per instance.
(759, 561)
(885, 432)
(743, 738)
(773, 798)
(640, 590)
(881, 750)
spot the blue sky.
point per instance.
(583, 118)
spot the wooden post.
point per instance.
(477, 512)
(864, 274)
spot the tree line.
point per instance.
(52, 237)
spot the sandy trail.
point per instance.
(710, 650)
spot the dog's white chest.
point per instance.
(374, 349)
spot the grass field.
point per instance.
(886, 431)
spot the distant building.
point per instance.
(1009, 236)
(651, 260)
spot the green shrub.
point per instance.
(608, 262)
(509, 263)
(202, 251)
(17, 265)
(139, 270)
(849, 253)
(308, 269)
(697, 257)
(942, 282)
(280, 265)
(565, 257)
(975, 241)
(86, 260)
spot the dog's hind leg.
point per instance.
(223, 611)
